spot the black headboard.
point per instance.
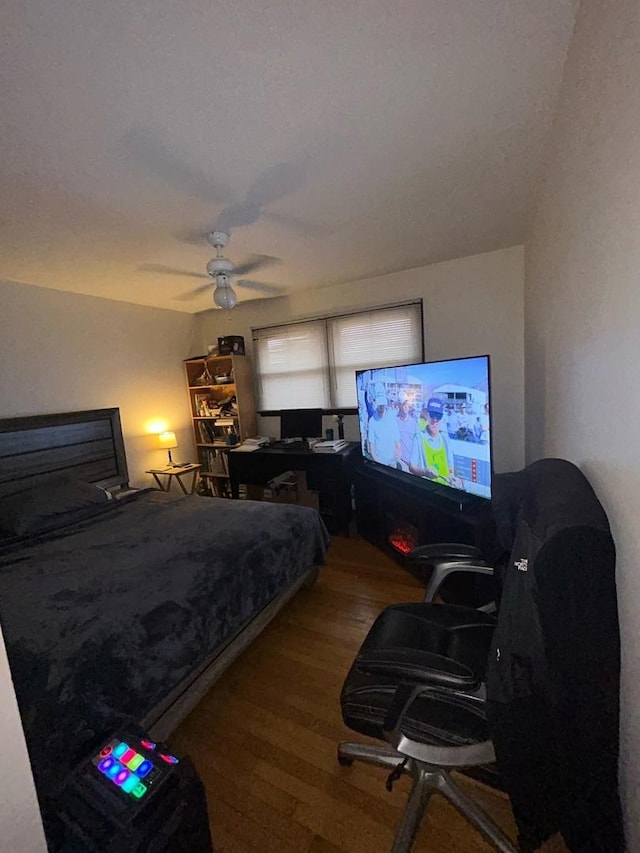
(88, 445)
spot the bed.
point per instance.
(130, 607)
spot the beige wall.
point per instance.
(62, 351)
(472, 306)
(582, 307)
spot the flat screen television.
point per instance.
(429, 422)
(300, 423)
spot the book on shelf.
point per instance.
(216, 462)
(217, 488)
(205, 407)
(208, 433)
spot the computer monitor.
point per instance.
(300, 423)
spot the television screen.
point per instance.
(300, 423)
(429, 421)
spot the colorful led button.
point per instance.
(127, 755)
(106, 750)
(134, 762)
(145, 768)
(105, 764)
(139, 790)
(170, 759)
(130, 783)
(148, 744)
(114, 769)
(120, 749)
(122, 776)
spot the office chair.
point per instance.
(533, 687)
(441, 560)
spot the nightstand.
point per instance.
(175, 473)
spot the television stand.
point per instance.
(458, 501)
(397, 515)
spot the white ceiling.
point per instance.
(362, 136)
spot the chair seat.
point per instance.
(436, 721)
(443, 646)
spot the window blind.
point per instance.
(291, 366)
(380, 338)
(313, 364)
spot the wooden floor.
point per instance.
(264, 739)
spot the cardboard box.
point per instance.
(291, 488)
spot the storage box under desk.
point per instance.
(293, 490)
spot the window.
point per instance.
(312, 364)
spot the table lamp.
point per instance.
(168, 440)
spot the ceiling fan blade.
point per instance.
(160, 160)
(161, 269)
(256, 262)
(236, 215)
(193, 236)
(309, 230)
(275, 182)
(192, 294)
(259, 286)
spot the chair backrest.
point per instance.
(507, 494)
(554, 666)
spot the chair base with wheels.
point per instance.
(426, 779)
(427, 706)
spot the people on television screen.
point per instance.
(431, 455)
(465, 424)
(407, 425)
(484, 420)
(383, 435)
(451, 421)
(369, 400)
(363, 415)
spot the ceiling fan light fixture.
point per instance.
(218, 239)
(224, 296)
(219, 265)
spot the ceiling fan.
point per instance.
(272, 184)
(219, 272)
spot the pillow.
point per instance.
(55, 501)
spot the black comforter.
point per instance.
(101, 623)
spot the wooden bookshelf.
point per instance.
(223, 412)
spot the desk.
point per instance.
(329, 474)
(175, 474)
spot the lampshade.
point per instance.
(224, 296)
(167, 440)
